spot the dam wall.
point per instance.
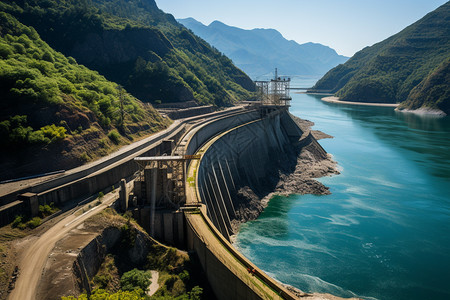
(247, 155)
(195, 138)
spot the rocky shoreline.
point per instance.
(296, 175)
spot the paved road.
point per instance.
(33, 259)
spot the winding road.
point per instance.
(33, 259)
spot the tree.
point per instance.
(135, 279)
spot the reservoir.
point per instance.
(384, 232)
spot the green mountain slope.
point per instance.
(134, 43)
(388, 71)
(56, 114)
(433, 92)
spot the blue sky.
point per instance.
(345, 25)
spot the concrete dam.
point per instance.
(245, 155)
(198, 205)
(242, 151)
(248, 155)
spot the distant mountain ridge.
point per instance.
(410, 67)
(258, 51)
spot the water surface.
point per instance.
(384, 232)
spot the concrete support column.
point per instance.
(31, 203)
(123, 195)
(154, 172)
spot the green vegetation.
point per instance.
(119, 276)
(114, 136)
(47, 210)
(433, 92)
(22, 223)
(30, 81)
(391, 70)
(101, 294)
(135, 280)
(51, 104)
(134, 43)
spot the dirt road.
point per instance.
(33, 259)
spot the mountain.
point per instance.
(55, 113)
(61, 63)
(403, 67)
(259, 51)
(134, 43)
(431, 93)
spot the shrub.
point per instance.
(134, 280)
(47, 210)
(102, 280)
(196, 293)
(33, 223)
(184, 276)
(114, 136)
(53, 132)
(17, 221)
(84, 157)
(38, 137)
(5, 50)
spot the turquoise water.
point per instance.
(384, 232)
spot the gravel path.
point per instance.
(154, 285)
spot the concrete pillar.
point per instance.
(137, 191)
(152, 192)
(159, 226)
(123, 195)
(167, 147)
(179, 217)
(148, 185)
(168, 227)
(31, 203)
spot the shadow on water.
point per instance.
(273, 223)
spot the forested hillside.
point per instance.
(433, 92)
(134, 43)
(55, 113)
(394, 69)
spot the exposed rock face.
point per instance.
(243, 168)
(294, 174)
(76, 259)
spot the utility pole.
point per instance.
(121, 101)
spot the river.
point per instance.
(384, 232)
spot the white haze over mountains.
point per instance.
(259, 51)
